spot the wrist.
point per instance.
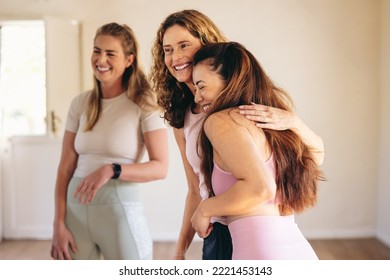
(296, 124)
(116, 170)
(202, 207)
(58, 224)
(180, 251)
(180, 254)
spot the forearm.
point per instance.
(143, 172)
(187, 232)
(235, 201)
(63, 179)
(279, 119)
(311, 139)
(66, 168)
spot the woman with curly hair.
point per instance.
(178, 38)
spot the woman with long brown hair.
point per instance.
(257, 178)
(178, 38)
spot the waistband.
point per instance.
(265, 221)
(114, 191)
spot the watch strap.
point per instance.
(117, 170)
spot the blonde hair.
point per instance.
(138, 88)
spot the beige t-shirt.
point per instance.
(116, 137)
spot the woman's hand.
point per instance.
(62, 241)
(88, 187)
(201, 223)
(279, 119)
(269, 117)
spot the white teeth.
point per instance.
(103, 68)
(181, 67)
(206, 107)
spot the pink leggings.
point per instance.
(269, 238)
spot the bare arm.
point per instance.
(155, 168)
(236, 150)
(278, 119)
(192, 199)
(61, 236)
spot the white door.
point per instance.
(29, 163)
(63, 68)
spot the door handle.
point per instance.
(54, 120)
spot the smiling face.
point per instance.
(208, 85)
(179, 48)
(108, 60)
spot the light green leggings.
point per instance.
(113, 225)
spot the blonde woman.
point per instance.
(98, 207)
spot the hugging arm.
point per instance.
(279, 119)
(192, 199)
(236, 151)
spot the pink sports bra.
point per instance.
(222, 180)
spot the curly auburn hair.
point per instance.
(172, 96)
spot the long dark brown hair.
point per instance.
(172, 96)
(297, 173)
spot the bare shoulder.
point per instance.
(228, 119)
(230, 127)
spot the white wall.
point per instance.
(324, 52)
(1, 188)
(384, 140)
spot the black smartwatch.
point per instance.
(117, 170)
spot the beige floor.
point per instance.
(330, 249)
(40, 250)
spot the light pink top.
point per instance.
(192, 126)
(222, 180)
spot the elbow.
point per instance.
(161, 172)
(159, 175)
(319, 157)
(268, 193)
(265, 193)
(320, 154)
